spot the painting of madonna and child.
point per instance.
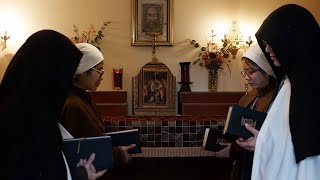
(155, 88)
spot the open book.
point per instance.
(125, 138)
(75, 149)
(213, 138)
(238, 116)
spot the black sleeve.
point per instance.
(236, 152)
(80, 173)
(118, 157)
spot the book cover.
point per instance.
(125, 138)
(64, 133)
(238, 116)
(82, 148)
(212, 138)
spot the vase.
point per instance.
(212, 80)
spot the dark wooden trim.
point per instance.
(111, 103)
(208, 103)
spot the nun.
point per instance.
(32, 94)
(79, 115)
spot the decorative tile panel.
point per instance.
(166, 131)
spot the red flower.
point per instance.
(211, 57)
(91, 36)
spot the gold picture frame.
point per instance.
(152, 17)
(155, 84)
(154, 91)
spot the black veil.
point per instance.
(32, 94)
(294, 34)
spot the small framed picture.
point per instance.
(155, 87)
(149, 18)
(154, 91)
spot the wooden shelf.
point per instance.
(111, 103)
(208, 103)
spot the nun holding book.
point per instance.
(32, 93)
(260, 76)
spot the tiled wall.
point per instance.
(166, 131)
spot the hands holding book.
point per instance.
(244, 123)
(125, 150)
(250, 143)
(225, 152)
(91, 170)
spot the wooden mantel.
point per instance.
(111, 103)
(208, 103)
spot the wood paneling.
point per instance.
(111, 103)
(208, 103)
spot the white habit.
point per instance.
(274, 157)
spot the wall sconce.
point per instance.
(117, 78)
(3, 44)
(233, 41)
(249, 41)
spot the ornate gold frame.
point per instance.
(140, 106)
(140, 38)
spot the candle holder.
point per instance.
(185, 77)
(117, 78)
(185, 82)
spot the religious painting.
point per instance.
(154, 91)
(152, 17)
(155, 88)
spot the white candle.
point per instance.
(249, 38)
(225, 36)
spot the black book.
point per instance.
(125, 138)
(212, 138)
(82, 148)
(238, 116)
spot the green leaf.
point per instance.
(98, 40)
(229, 69)
(196, 61)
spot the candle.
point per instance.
(185, 72)
(117, 78)
(249, 38)
(225, 36)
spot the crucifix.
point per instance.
(154, 37)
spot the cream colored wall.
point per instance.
(192, 19)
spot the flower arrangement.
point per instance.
(91, 36)
(211, 57)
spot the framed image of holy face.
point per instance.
(152, 17)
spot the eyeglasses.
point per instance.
(101, 72)
(249, 74)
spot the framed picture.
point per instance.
(154, 91)
(155, 87)
(152, 17)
